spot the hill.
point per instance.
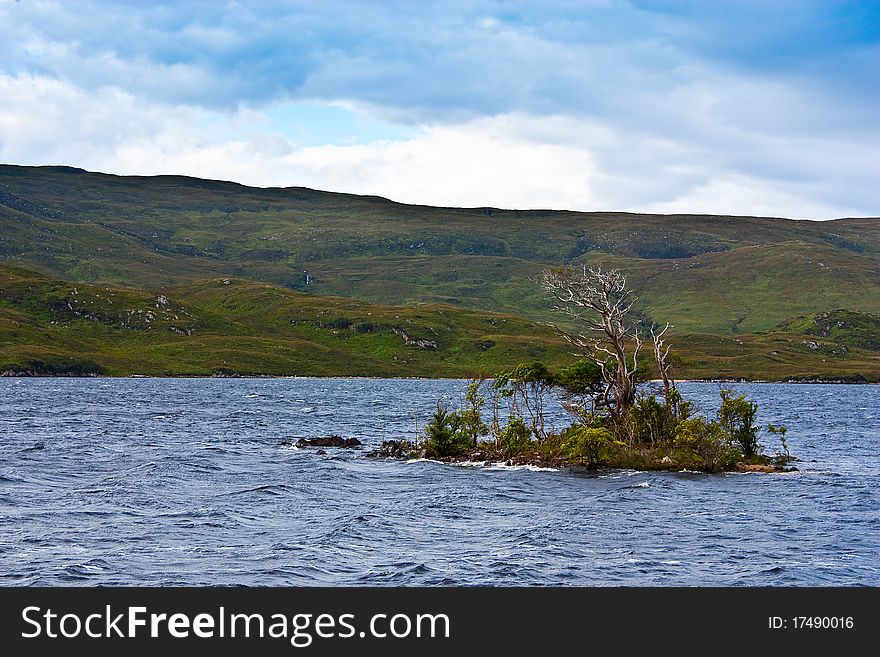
(705, 274)
(232, 326)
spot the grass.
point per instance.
(705, 274)
(237, 326)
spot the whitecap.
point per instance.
(486, 465)
(617, 474)
(530, 468)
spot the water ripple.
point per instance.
(183, 482)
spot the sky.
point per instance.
(753, 107)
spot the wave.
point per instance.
(619, 474)
(36, 447)
(205, 498)
(268, 489)
(486, 465)
(80, 571)
(530, 468)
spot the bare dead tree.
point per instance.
(599, 301)
(661, 356)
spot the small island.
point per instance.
(619, 421)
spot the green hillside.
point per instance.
(231, 326)
(848, 329)
(174, 275)
(710, 274)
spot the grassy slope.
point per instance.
(706, 274)
(240, 326)
(250, 328)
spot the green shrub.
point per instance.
(515, 437)
(472, 425)
(737, 418)
(444, 435)
(590, 446)
(706, 445)
(551, 448)
(784, 456)
(652, 422)
(679, 408)
(580, 378)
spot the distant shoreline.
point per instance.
(25, 375)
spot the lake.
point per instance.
(188, 482)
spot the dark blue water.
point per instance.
(184, 481)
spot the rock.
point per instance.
(757, 467)
(754, 467)
(224, 373)
(392, 449)
(328, 441)
(666, 460)
(23, 205)
(415, 342)
(321, 451)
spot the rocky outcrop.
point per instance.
(393, 449)
(415, 342)
(326, 441)
(10, 200)
(40, 368)
(760, 467)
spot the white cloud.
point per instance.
(512, 160)
(741, 195)
(47, 121)
(584, 106)
(467, 165)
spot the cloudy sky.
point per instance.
(750, 107)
